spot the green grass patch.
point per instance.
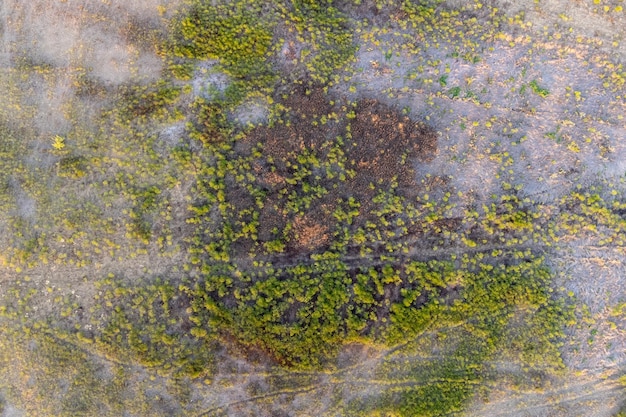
(537, 89)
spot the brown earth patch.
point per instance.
(384, 144)
(284, 141)
(308, 233)
(379, 146)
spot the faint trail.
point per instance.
(420, 255)
(349, 376)
(545, 403)
(259, 398)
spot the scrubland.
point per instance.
(291, 208)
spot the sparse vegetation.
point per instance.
(366, 204)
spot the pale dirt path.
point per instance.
(575, 396)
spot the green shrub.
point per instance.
(72, 167)
(229, 33)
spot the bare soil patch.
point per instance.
(384, 145)
(379, 147)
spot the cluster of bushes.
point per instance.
(300, 307)
(148, 324)
(245, 38)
